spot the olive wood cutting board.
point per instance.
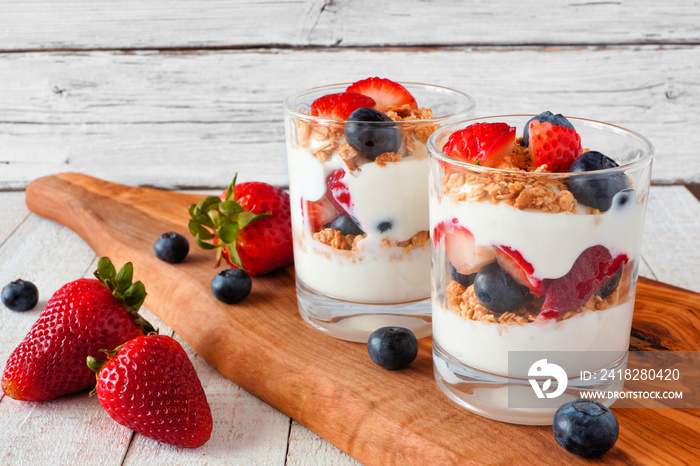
(331, 386)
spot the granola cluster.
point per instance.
(464, 302)
(522, 191)
(336, 240)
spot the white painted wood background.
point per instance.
(180, 94)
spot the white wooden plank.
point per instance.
(185, 120)
(308, 449)
(672, 235)
(177, 23)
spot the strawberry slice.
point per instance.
(554, 145)
(340, 105)
(589, 274)
(338, 192)
(521, 270)
(386, 93)
(318, 213)
(481, 143)
(463, 253)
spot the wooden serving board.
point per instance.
(331, 386)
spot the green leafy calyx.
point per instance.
(130, 295)
(216, 223)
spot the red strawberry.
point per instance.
(481, 143)
(554, 145)
(249, 225)
(462, 252)
(386, 93)
(589, 274)
(81, 318)
(339, 105)
(521, 270)
(338, 193)
(149, 385)
(318, 213)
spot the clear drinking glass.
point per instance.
(561, 254)
(350, 285)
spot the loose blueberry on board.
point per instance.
(585, 428)
(171, 247)
(497, 290)
(596, 190)
(367, 132)
(231, 285)
(384, 226)
(392, 347)
(462, 279)
(548, 117)
(20, 295)
(611, 284)
(346, 225)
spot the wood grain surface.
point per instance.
(330, 386)
(188, 120)
(159, 24)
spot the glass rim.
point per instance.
(437, 154)
(289, 108)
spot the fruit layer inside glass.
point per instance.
(521, 264)
(360, 224)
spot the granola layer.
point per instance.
(463, 302)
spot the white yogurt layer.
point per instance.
(394, 192)
(551, 242)
(485, 345)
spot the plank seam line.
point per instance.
(653, 274)
(361, 48)
(2, 243)
(128, 446)
(289, 436)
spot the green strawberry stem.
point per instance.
(95, 364)
(215, 224)
(130, 295)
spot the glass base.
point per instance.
(356, 321)
(488, 394)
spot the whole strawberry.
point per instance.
(149, 385)
(81, 318)
(249, 225)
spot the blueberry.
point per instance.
(623, 198)
(585, 428)
(369, 138)
(497, 290)
(384, 226)
(171, 247)
(231, 285)
(596, 190)
(392, 347)
(548, 117)
(20, 295)
(464, 280)
(346, 225)
(611, 284)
